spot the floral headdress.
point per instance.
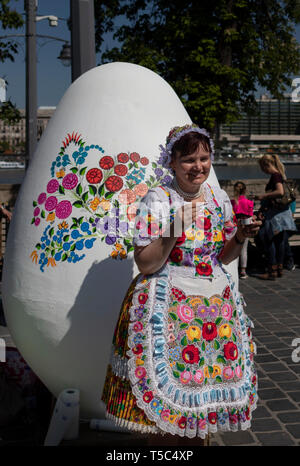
(175, 134)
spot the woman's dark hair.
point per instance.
(189, 143)
(239, 188)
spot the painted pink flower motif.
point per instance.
(70, 181)
(138, 326)
(228, 373)
(51, 203)
(42, 197)
(185, 313)
(63, 209)
(199, 377)
(37, 221)
(140, 372)
(52, 186)
(185, 377)
(239, 372)
(226, 311)
(36, 211)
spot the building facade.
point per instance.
(14, 135)
(276, 122)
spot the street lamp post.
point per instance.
(82, 36)
(30, 7)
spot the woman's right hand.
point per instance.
(185, 216)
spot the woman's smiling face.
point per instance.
(191, 170)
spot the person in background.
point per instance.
(6, 213)
(278, 219)
(243, 208)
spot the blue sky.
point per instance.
(53, 78)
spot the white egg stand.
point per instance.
(62, 319)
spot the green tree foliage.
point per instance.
(214, 53)
(9, 19)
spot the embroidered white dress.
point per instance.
(189, 352)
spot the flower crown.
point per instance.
(175, 134)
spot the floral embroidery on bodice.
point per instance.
(198, 249)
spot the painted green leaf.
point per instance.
(72, 248)
(92, 189)
(201, 362)
(85, 196)
(180, 367)
(109, 195)
(176, 374)
(218, 320)
(66, 238)
(80, 220)
(51, 232)
(233, 337)
(101, 190)
(43, 215)
(38, 246)
(34, 203)
(64, 257)
(210, 369)
(79, 189)
(61, 189)
(183, 325)
(77, 204)
(82, 171)
(203, 346)
(32, 221)
(206, 302)
(91, 220)
(218, 379)
(74, 170)
(173, 316)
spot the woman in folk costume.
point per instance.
(182, 359)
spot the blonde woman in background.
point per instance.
(278, 220)
(243, 208)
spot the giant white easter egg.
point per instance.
(66, 272)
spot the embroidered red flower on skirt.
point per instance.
(230, 351)
(204, 269)
(209, 331)
(190, 354)
(176, 255)
(212, 417)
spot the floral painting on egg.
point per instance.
(83, 203)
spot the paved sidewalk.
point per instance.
(274, 309)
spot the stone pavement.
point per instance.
(274, 308)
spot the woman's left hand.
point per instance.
(251, 230)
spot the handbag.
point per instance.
(288, 197)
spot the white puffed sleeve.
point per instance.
(153, 217)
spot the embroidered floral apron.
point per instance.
(191, 354)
